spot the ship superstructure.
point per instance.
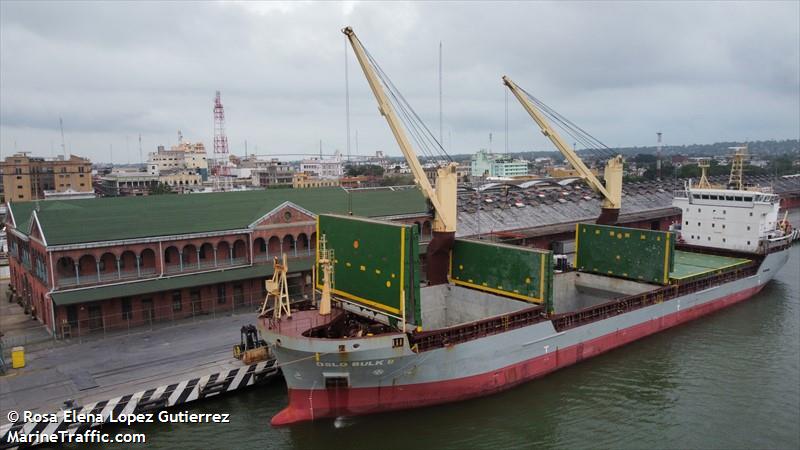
(738, 220)
(733, 217)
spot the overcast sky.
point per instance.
(698, 72)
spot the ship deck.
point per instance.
(689, 265)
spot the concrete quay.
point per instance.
(163, 367)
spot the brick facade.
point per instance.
(38, 270)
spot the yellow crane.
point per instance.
(443, 197)
(611, 190)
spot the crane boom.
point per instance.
(443, 197)
(611, 190)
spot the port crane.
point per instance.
(611, 189)
(443, 197)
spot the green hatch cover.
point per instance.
(374, 263)
(512, 271)
(632, 253)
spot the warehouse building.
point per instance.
(97, 265)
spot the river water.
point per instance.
(729, 380)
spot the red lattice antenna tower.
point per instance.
(221, 171)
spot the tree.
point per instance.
(161, 188)
(370, 170)
(397, 180)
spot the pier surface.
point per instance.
(102, 369)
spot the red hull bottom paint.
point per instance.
(358, 401)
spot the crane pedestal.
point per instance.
(439, 256)
(608, 216)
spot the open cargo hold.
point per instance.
(512, 271)
(374, 264)
(631, 253)
(690, 265)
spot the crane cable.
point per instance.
(420, 132)
(590, 142)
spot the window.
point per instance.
(748, 228)
(687, 222)
(748, 242)
(751, 214)
(712, 224)
(723, 226)
(19, 187)
(738, 199)
(176, 301)
(723, 239)
(709, 238)
(221, 294)
(127, 310)
(698, 210)
(748, 199)
(238, 294)
(698, 224)
(19, 177)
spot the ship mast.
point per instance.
(736, 181)
(703, 164)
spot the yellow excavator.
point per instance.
(443, 197)
(610, 189)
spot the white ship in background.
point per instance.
(736, 217)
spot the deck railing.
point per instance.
(622, 305)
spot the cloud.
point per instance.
(699, 72)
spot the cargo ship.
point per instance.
(490, 316)
(476, 342)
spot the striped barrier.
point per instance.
(165, 396)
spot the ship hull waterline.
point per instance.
(390, 380)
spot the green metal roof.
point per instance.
(103, 219)
(176, 282)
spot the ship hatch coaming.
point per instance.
(448, 305)
(574, 291)
(443, 306)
